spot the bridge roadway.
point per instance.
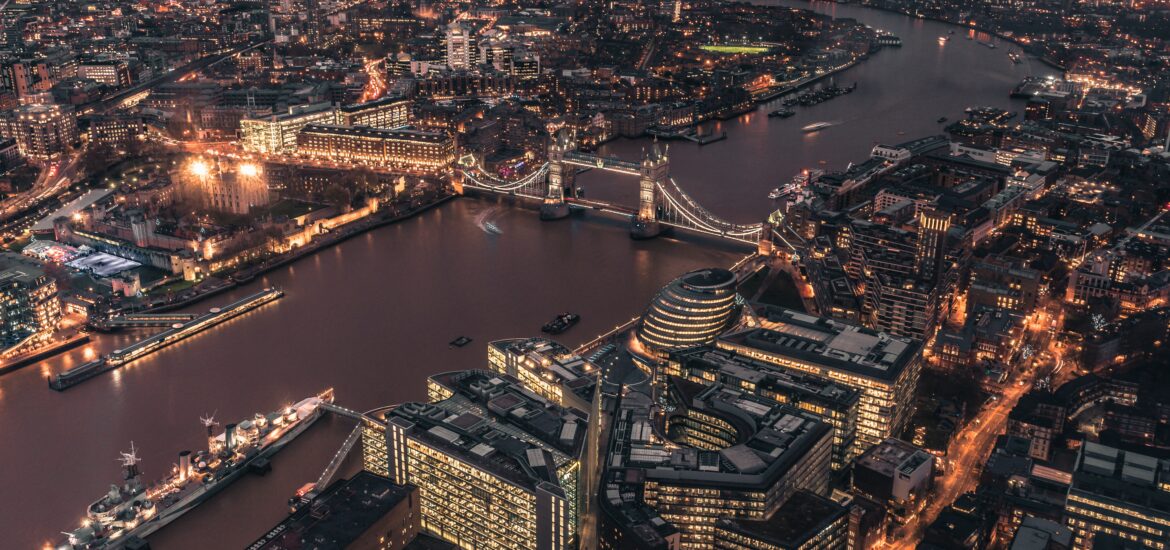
(663, 201)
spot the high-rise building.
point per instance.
(690, 311)
(834, 403)
(730, 455)
(496, 465)
(930, 253)
(462, 51)
(884, 368)
(547, 368)
(1119, 493)
(29, 306)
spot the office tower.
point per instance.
(1119, 493)
(462, 50)
(496, 465)
(729, 455)
(884, 368)
(834, 403)
(547, 368)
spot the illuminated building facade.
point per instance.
(29, 305)
(462, 51)
(690, 311)
(388, 112)
(884, 368)
(43, 132)
(807, 521)
(834, 403)
(730, 455)
(277, 134)
(496, 465)
(403, 149)
(547, 368)
(238, 191)
(1120, 494)
(110, 73)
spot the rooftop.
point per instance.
(338, 516)
(893, 455)
(831, 343)
(801, 518)
(493, 422)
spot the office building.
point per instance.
(29, 305)
(496, 465)
(1121, 494)
(387, 112)
(834, 403)
(42, 132)
(930, 250)
(690, 311)
(893, 471)
(413, 150)
(111, 73)
(462, 50)
(730, 455)
(884, 368)
(547, 368)
(277, 134)
(364, 512)
(808, 521)
(116, 130)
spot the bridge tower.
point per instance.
(561, 176)
(655, 170)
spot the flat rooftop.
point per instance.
(338, 516)
(802, 517)
(493, 422)
(830, 343)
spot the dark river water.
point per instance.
(372, 317)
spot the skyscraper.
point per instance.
(462, 50)
(496, 465)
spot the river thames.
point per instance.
(372, 316)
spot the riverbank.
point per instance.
(338, 236)
(1043, 59)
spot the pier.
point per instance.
(144, 320)
(179, 331)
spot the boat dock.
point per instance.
(178, 332)
(143, 320)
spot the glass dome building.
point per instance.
(690, 311)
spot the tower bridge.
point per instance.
(662, 203)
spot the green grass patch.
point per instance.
(753, 50)
(177, 286)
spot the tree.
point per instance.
(338, 196)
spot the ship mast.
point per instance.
(130, 462)
(208, 422)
